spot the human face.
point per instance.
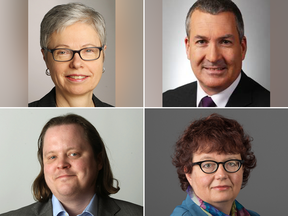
(214, 50)
(76, 77)
(220, 188)
(70, 168)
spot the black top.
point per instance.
(49, 100)
(248, 93)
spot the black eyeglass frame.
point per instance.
(74, 51)
(223, 163)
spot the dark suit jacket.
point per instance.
(248, 93)
(106, 207)
(49, 100)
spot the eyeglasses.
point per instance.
(209, 166)
(86, 54)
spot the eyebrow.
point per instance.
(210, 158)
(227, 36)
(83, 46)
(69, 149)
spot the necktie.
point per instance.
(207, 102)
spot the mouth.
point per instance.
(76, 78)
(221, 187)
(64, 176)
(217, 71)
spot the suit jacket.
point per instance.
(106, 207)
(189, 208)
(49, 100)
(248, 93)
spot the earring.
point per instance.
(103, 71)
(47, 72)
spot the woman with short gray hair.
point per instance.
(73, 44)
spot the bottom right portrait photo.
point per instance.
(216, 162)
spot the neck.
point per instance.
(75, 206)
(68, 100)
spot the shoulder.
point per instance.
(188, 208)
(49, 100)
(99, 103)
(249, 93)
(36, 208)
(130, 208)
(108, 205)
(183, 96)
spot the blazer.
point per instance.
(49, 100)
(248, 93)
(189, 208)
(106, 207)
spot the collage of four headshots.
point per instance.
(147, 107)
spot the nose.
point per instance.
(213, 53)
(221, 173)
(63, 163)
(76, 62)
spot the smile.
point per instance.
(221, 188)
(77, 78)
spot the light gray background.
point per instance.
(39, 83)
(176, 67)
(120, 129)
(266, 191)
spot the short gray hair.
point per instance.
(215, 7)
(62, 16)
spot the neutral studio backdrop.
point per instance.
(121, 131)
(266, 191)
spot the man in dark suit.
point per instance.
(216, 46)
(75, 176)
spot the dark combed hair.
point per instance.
(104, 182)
(212, 134)
(215, 7)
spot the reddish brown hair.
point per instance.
(212, 134)
(104, 181)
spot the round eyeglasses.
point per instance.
(209, 166)
(86, 54)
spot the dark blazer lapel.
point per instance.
(243, 94)
(43, 209)
(107, 207)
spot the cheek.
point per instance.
(200, 181)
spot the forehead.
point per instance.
(77, 34)
(200, 156)
(64, 137)
(204, 24)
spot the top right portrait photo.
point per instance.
(216, 53)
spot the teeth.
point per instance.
(77, 77)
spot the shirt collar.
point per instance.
(221, 98)
(90, 210)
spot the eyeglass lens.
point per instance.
(67, 54)
(230, 166)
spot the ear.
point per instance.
(43, 54)
(243, 47)
(187, 46)
(104, 49)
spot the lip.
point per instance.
(215, 70)
(77, 77)
(64, 176)
(221, 187)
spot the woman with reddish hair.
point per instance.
(213, 158)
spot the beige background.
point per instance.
(121, 84)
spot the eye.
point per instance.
(52, 157)
(201, 42)
(226, 42)
(62, 52)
